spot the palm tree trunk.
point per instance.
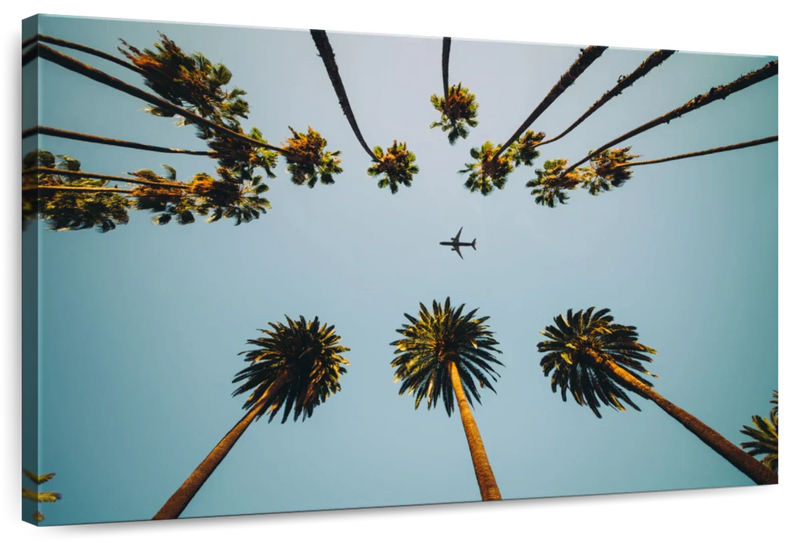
(733, 147)
(649, 63)
(749, 465)
(329, 60)
(74, 189)
(716, 93)
(69, 135)
(483, 470)
(179, 500)
(76, 66)
(83, 49)
(446, 71)
(80, 174)
(587, 57)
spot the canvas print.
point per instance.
(274, 270)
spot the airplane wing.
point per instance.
(458, 236)
(458, 249)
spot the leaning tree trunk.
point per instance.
(749, 465)
(587, 57)
(716, 93)
(186, 492)
(91, 138)
(74, 65)
(483, 470)
(649, 63)
(743, 145)
(329, 60)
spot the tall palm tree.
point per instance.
(440, 353)
(600, 362)
(194, 82)
(491, 168)
(490, 171)
(608, 169)
(397, 165)
(457, 106)
(765, 436)
(70, 199)
(716, 93)
(623, 83)
(295, 367)
(584, 60)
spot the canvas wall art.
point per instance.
(276, 270)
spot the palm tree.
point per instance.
(765, 436)
(609, 169)
(396, 166)
(600, 362)
(457, 106)
(68, 199)
(584, 60)
(716, 93)
(295, 367)
(194, 82)
(623, 83)
(490, 172)
(447, 354)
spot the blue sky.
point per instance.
(140, 328)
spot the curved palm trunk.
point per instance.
(483, 470)
(716, 93)
(77, 66)
(329, 60)
(186, 492)
(733, 147)
(587, 57)
(649, 63)
(69, 135)
(749, 465)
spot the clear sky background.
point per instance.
(140, 328)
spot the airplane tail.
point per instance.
(473, 244)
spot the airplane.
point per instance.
(457, 244)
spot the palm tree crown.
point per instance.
(765, 436)
(572, 351)
(396, 166)
(69, 210)
(434, 340)
(303, 358)
(459, 112)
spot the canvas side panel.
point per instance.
(29, 95)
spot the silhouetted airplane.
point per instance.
(456, 244)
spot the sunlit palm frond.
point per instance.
(764, 433)
(459, 113)
(397, 166)
(575, 343)
(305, 357)
(433, 340)
(551, 184)
(307, 160)
(485, 175)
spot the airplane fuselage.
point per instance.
(454, 244)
